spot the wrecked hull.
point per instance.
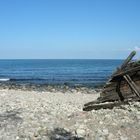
(123, 86)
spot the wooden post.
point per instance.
(128, 59)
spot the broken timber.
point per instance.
(123, 86)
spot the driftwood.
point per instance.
(122, 86)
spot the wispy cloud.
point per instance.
(137, 48)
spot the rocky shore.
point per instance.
(57, 115)
(50, 88)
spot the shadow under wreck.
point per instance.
(62, 134)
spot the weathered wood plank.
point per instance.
(109, 105)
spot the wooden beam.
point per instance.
(135, 69)
(132, 85)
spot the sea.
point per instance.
(71, 72)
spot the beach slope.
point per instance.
(54, 115)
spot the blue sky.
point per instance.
(85, 29)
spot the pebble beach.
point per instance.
(57, 115)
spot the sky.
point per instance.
(69, 29)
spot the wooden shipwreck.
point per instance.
(122, 87)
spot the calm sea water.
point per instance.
(57, 72)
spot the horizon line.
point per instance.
(61, 58)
